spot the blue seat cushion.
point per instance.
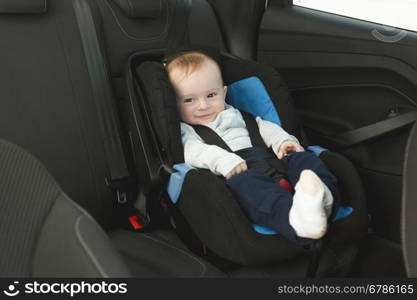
(250, 95)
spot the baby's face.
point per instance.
(200, 95)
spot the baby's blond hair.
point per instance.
(188, 62)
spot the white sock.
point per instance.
(307, 214)
(327, 201)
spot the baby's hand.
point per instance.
(288, 147)
(242, 167)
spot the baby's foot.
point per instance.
(327, 201)
(307, 214)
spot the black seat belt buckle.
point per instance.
(120, 186)
(121, 197)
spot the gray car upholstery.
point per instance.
(44, 233)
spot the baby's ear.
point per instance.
(225, 89)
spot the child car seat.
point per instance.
(205, 203)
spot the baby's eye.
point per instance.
(188, 100)
(211, 95)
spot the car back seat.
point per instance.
(47, 108)
(47, 104)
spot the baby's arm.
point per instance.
(277, 138)
(201, 155)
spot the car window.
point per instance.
(395, 13)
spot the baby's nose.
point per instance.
(203, 103)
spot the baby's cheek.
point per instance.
(184, 113)
(189, 116)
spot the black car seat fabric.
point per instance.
(160, 254)
(26, 7)
(214, 215)
(47, 107)
(43, 233)
(47, 102)
(240, 27)
(145, 9)
(126, 30)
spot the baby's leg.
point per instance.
(265, 203)
(300, 161)
(307, 215)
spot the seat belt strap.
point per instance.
(177, 34)
(253, 129)
(365, 133)
(210, 137)
(103, 96)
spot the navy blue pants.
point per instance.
(267, 204)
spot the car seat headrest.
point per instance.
(146, 9)
(23, 6)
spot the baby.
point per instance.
(201, 94)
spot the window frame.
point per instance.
(391, 29)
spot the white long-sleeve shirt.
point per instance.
(231, 127)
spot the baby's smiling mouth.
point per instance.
(206, 116)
